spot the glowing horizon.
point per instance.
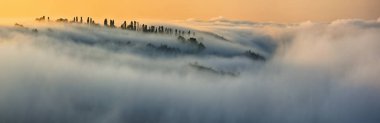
(251, 10)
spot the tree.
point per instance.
(124, 25)
(105, 22)
(112, 23)
(130, 26)
(201, 46)
(254, 56)
(134, 25)
(181, 38)
(193, 40)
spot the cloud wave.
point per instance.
(315, 72)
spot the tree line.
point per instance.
(133, 25)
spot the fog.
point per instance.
(72, 73)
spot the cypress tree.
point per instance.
(105, 22)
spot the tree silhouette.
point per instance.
(105, 22)
(124, 25)
(201, 46)
(112, 23)
(134, 25)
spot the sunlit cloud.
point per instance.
(313, 72)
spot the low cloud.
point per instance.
(314, 72)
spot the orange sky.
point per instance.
(253, 10)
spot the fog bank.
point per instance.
(71, 73)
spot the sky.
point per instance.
(251, 10)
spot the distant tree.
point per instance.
(124, 25)
(145, 28)
(105, 22)
(254, 56)
(112, 23)
(181, 38)
(130, 26)
(134, 25)
(201, 46)
(153, 29)
(193, 40)
(40, 18)
(35, 30)
(62, 20)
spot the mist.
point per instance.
(312, 72)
